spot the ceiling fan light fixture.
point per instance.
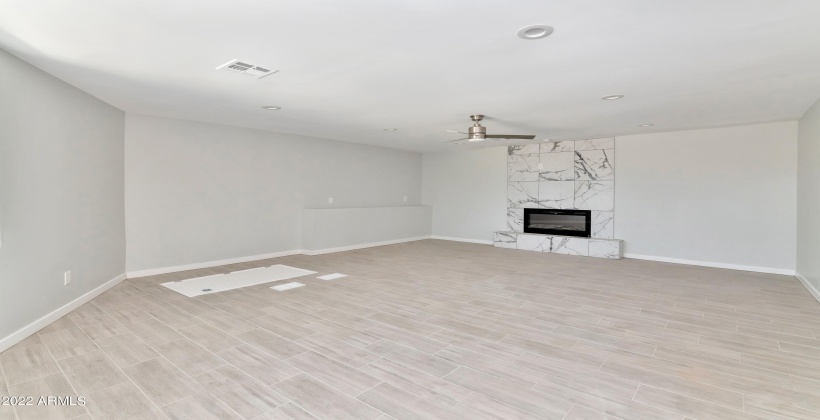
(535, 32)
(478, 132)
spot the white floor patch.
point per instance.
(287, 286)
(221, 282)
(333, 276)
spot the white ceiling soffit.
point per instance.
(350, 69)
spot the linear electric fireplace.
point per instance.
(558, 222)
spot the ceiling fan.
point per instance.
(479, 133)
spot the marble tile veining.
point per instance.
(570, 246)
(594, 165)
(595, 195)
(571, 175)
(523, 149)
(540, 243)
(558, 146)
(595, 144)
(603, 224)
(515, 220)
(556, 194)
(557, 166)
(606, 249)
(588, 247)
(522, 195)
(522, 168)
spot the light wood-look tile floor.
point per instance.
(441, 330)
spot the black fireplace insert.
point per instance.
(558, 222)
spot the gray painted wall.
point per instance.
(723, 195)
(198, 192)
(61, 193)
(468, 192)
(808, 196)
(325, 229)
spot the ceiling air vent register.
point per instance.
(241, 67)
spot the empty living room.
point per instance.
(529, 209)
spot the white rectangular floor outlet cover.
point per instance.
(333, 276)
(221, 282)
(287, 286)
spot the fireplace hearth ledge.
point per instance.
(569, 245)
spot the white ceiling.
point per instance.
(349, 69)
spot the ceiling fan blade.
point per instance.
(510, 136)
(453, 141)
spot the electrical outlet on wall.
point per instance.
(67, 278)
(330, 200)
(405, 198)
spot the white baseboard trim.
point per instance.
(207, 264)
(752, 268)
(813, 290)
(360, 246)
(217, 263)
(25, 332)
(452, 238)
(60, 312)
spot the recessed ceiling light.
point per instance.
(535, 32)
(390, 129)
(646, 125)
(272, 108)
(612, 97)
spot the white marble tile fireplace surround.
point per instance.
(562, 175)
